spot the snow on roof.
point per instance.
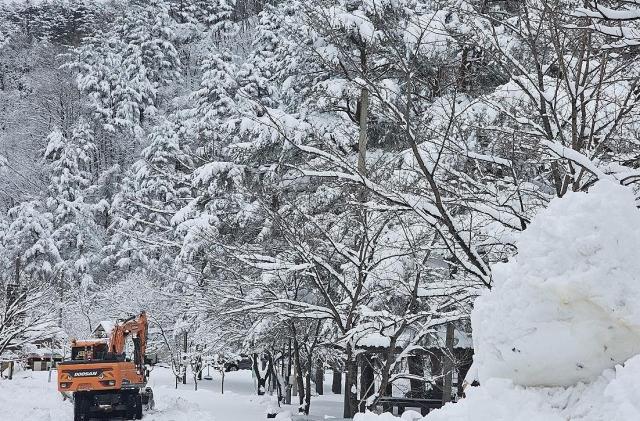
(106, 326)
(89, 342)
(374, 340)
(44, 353)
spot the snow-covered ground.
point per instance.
(29, 397)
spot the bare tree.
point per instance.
(27, 316)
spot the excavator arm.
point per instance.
(138, 328)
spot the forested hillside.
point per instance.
(296, 178)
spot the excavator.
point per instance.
(102, 379)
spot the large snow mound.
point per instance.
(568, 306)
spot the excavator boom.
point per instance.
(137, 328)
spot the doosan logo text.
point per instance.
(85, 373)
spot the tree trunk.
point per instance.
(288, 386)
(336, 383)
(448, 365)
(184, 348)
(299, 373)
(350, 385)
(364, 123)
(416, 368)
(307, 390)
(436, 369)
(274, 382)
(366, 380)
(262, 381)
(320, 377)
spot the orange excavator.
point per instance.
(103, 379)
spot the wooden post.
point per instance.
(448, 365)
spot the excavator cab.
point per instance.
(89, 350)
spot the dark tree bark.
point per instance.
(366, 380)
(336, 383)
(262, 381)
(416, 368)
(435, 358)
(307, 390)
(320, 377)
(448, 365)
(299, 372)
(350, 385)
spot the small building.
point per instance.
(43, 359)
(104, 329)
(421, 369)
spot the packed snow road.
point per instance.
(29, 397)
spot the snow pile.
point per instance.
(30, 397)
(568, 307)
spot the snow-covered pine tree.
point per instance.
(77, 237)
(208, 123)
(218, 179)
(28, 242)
(151, 193)
(264, 61)
(124, 69)
(216, 15)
